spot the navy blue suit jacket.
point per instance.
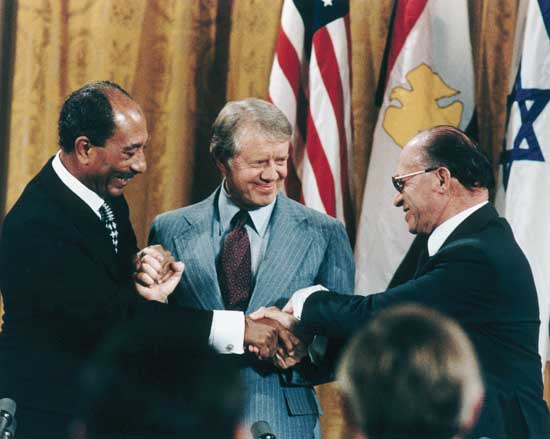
(481, 278)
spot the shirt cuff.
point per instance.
(299, 298)
(227, 332)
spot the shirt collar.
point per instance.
(81, 191)
(227, 209)
(444, 230)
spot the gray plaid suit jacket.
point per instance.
(305, 248)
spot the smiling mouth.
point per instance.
(124, 179)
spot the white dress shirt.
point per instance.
(227, 332)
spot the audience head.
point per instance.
(440, 173)
(140, 385)
(250, 145)
(102, 134)
(411, 373)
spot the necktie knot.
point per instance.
(240, 219)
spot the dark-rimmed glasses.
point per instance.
(399, 180)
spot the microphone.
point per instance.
(9, 432)
(7, 412)
(262, 430)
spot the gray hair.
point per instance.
(411, 373)
(238, 118)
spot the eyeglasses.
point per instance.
(399, 180)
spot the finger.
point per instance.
(285, 337)
(150, 271)
(144, 279)
(156, 251)
(280, 361)
(148, 259)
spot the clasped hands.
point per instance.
(156, 273)
(270, 334)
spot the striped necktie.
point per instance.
(108, 220)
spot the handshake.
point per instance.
(270, 334)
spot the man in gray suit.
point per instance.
(248, 246)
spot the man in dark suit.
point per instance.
(465, 263)
(66, 269)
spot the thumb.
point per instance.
(258, 314)
(177, 267)
(289, 307)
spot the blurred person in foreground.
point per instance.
(70, 269)
(141, 387)
(411, 373)
(466, 264)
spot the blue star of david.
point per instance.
(539, 97)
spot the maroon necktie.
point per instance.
(234, 267)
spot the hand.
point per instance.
(291, 349)
(287, 320)
(157, 273)
(153, 263)
(260, 339)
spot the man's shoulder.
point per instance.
(188, 214)
(314, 217)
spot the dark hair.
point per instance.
(411, 373)
(451, 148)
(88, 112)
(143, 384)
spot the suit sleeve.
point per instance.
(337, 273)
(455, 285)
(52, 279)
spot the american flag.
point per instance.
(310, 82)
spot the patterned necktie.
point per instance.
(234, 266)
(108, 220)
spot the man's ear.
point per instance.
(222, 167)
(444, 176)
(83, 149)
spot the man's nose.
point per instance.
(139, 164)
(398, 199)
(269, 173)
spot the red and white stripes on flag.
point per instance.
(310, 82)
(429, 82)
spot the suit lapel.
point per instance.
(86, 222)
(288, 235)
(475, 222)
(472, 224)
(194, 246)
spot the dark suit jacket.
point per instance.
(64, 290)
(481, 278)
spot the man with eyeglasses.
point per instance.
(465, 263)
